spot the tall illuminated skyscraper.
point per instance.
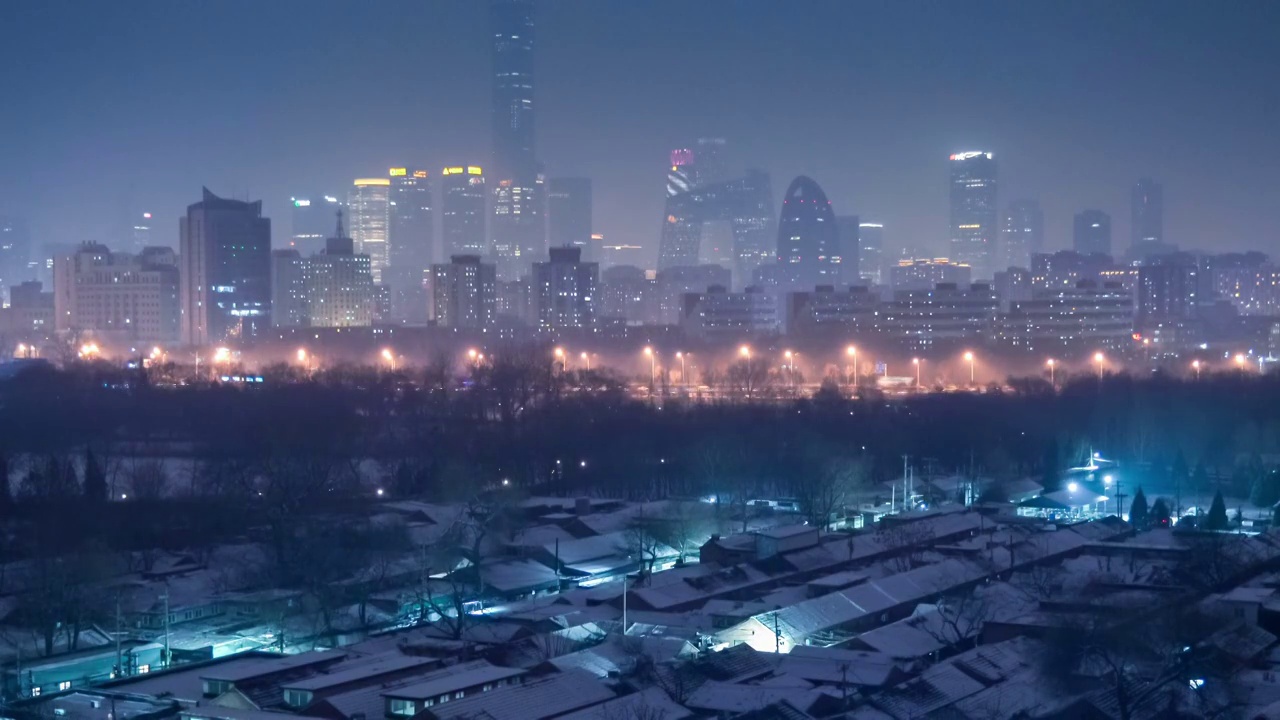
(462, 221)
(1023, 233)
(518, 231)
(871, 252)
(973, 211)
(311, 221)
(808, 240)
(370, 211)
(412, 244)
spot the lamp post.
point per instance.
(684, 379)
(745, 351)
(916, 362)
(1240, 362)
(1195, 365)
(969, 356)
(564, 360)
(791, 366)
(1051, 365)
(390, 357)
(586, 358)
(1099, 358)
(852, 352)
(653, 369)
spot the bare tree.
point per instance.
(906, 543)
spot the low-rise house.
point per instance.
(536, 699)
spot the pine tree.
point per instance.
(1138, 510)
(1266, 489)
(1160, 515)
(1217, 519)
(95, 482)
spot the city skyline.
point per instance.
(266, 143)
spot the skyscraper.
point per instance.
(370, 213)
(15, 252)
(311, 221)
(973, 211)
(1091, 233)
(462, 223)
(849, 229)
(569, 213)
(339, 285)
(808, 241)
(141, 230)
(412, 244)
(288, 288)
(225, 256)
(697, 196)
(871, 252)
(1146, 229)
(517, 230)
(1023, 233)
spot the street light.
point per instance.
(389, 357)
(653, 368)
(969, 356)
(791, 366)
(916, 362)
(586, 358)
(1051, 365)
(1240, 361)
(1195, 365)
(852, 351)
(564, 360)
(684, 377)
(1100, 359)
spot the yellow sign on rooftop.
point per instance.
(363, 182)
(399, 172)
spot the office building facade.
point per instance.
(564, 290)
(1091, 233)
(973, 211)
(118, 296)
(1146, 228)
(225, 256)
(569, 214)
(808, 240)
(369, 217)
(288, 289)
(1023, 234)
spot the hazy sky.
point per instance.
(137, 103)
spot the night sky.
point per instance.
(117, 105)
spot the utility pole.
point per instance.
(166, 626)
(119, 668)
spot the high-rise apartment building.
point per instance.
(1023, 233)
(118, 296)
(1146, 229)
(1168, 288)
(973, 211)
(225, 255)
(369, 210)
(466, 294)
(569, 214)
(808, 241)
(1091, 233)
(565, 290)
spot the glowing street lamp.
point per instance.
(1195, 365)
(791, 365)
(653, 368)
(564, 360)
(1099, 358)
(916, 362)
(89, 350)
(969, 356)
(586, 358)
(222, 355)
(684, 378)
(1052, 363)
(1240, 361)
(852, 352)
(390, 357)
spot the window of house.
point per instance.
(64, 685)
(144, 669)
(35, 691)
(404, 708)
